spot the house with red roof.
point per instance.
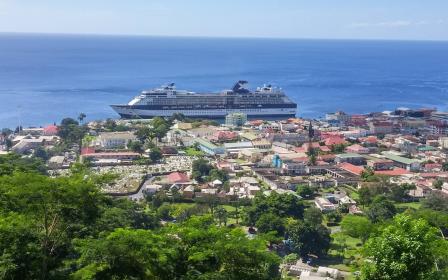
(223, 136)
(358, 149)
(369, 140)
(50, 130)
(354, 169)
(432, 167)
(178, 177)
(334, 140)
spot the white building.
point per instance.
(115, 140)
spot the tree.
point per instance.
(125, 254)
(307, 239)
(291, 258)
(136, 146)
(381, 209)
(200, 169)
(11, 163)
(195, 249)
(305, 191)
(8, 144)
(406, 249)
(41, 153)
(437, 184)
(313, 216)
(436, 202)
(269, 222)
(281, 205)
(357, 227)
(365, 197)
(221, 215)
(110, 124)
(155, 154)
(445, 166)
(144, 133)
(81, 117)
(19, 244)
(400, 193)
(334, 217)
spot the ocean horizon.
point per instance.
(46, 77)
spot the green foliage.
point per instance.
(200, 169)
(357, 227)
(313, 216)
(41, 153)
(400, 193)
(20, 256)
(406, 249)
(333, 217)
(381, 209)
(281, 205)
(308, 239)
(305, 191)
(155, 154)
(365, 196)
(291, 258)
(436, 202)
(11, 163)
(437, 184)
(445, 166)
(196, 249)
(70, 131)
(136, 146)
(338, 148)
(269, 222)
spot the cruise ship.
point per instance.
(264, 102)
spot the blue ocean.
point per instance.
(44, 78)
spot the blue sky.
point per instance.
(354, 19)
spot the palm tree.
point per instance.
(81, 117)
(221, 215)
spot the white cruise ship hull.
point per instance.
(128, 112)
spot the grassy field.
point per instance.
(344, 253)
(406, 205)
(193, 152)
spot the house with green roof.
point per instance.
(403, 162)
(209, 148)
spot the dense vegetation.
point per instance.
(60, 228)
(65, 228)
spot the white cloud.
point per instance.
(395, 23)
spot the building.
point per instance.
(338, 117)
(209, 148)
(177, 177)
(357, 149)
(235, 148)
(352, 158)
(50, 130)
(56, 162)
(402, 162)
(115, 140)
(380, 164)
(443, 142)
(236, 119)
(202, 132)
(381, 127)
(324, 204)
(262, 144)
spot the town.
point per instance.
(342, 174)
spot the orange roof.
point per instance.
(394, 172)
(351, 168)
(178, 177)
(51, 129)
(334, 140)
